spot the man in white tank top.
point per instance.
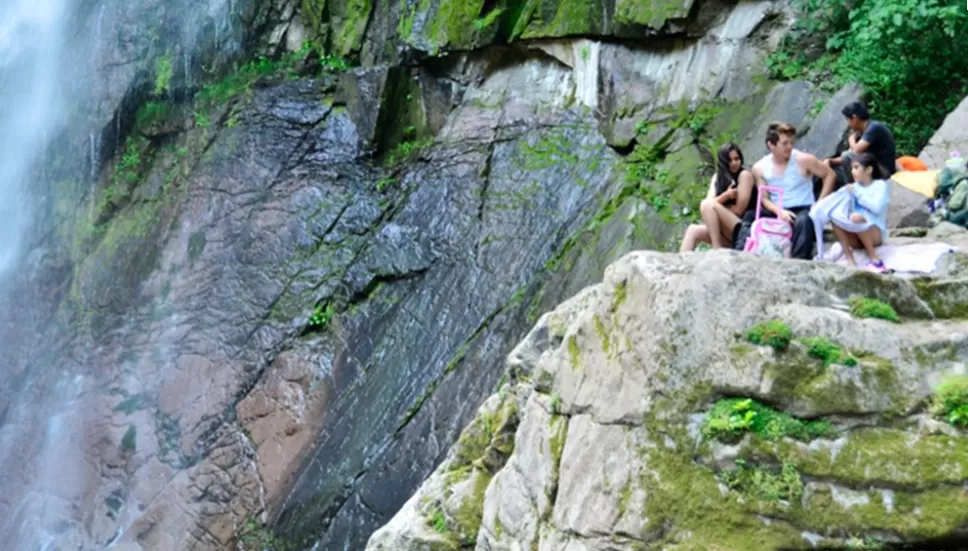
(793, 172)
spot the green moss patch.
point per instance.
(651, 13)
(555, 18)
(930, 514)
(822, 349)
(773, 333)
(863, 307)
(841, 382)
(773, 484)
(950, 401)
(731, 418)
(685, 498)
(481, 451)
(878, 456)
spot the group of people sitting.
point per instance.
(731, 203)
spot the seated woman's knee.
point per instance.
(708, 205)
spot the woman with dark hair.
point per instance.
(868, 212)
(731, 195)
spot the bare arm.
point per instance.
(744, 193)
(857, 145)
(817, 168)
(767, 203)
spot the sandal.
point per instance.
(878, 267)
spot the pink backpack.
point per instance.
(771, 237)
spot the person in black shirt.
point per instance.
(866, 136)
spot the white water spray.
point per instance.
(31, 35)
(59, 442)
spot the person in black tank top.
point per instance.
(731, 196)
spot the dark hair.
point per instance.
(777, 129)
(867, 160)
(725, 178)
(857, 109)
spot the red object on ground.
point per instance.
(909, 162)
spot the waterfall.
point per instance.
(69, 73)
(31, 35)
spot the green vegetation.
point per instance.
(255, 537)
(196, 245)
(151, 112)
(129, 442)
(863, 307)
(130, 404)
(131, 163)
(822, 349)
(164, 71)
(763, 483)
(241, 81)
(900, 51)
(481, 451)
(951, 401)
(773, 333)
(730, 418)
(321, 317)
(672, 181)
(407, 150)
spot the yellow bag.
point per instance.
(921, 181)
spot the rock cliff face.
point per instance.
(282, 297)
(713, 401)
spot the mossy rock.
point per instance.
(879, 456)
(807, 381)
(651, 13)
(864, 307)
(947, 299)
(950, 401)
(903, 295)
(773, 333)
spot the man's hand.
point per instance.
(788, 216)
(730, 194)
(852, 139)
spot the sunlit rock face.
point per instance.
(648, 410)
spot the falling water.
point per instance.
(54, 479)
(31, 34)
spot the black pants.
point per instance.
(804, 238)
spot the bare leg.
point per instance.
(711, 218)
(695, 234)
(727, 223)
(845, 240)
(870, 239)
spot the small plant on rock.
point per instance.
(762, 483)
(830, 353)
(730, 418)
(773, 333)
(321, 317)
(863, 307)
(951, 401)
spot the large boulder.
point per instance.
(656, 407)
(907, 209)
(950, 137)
